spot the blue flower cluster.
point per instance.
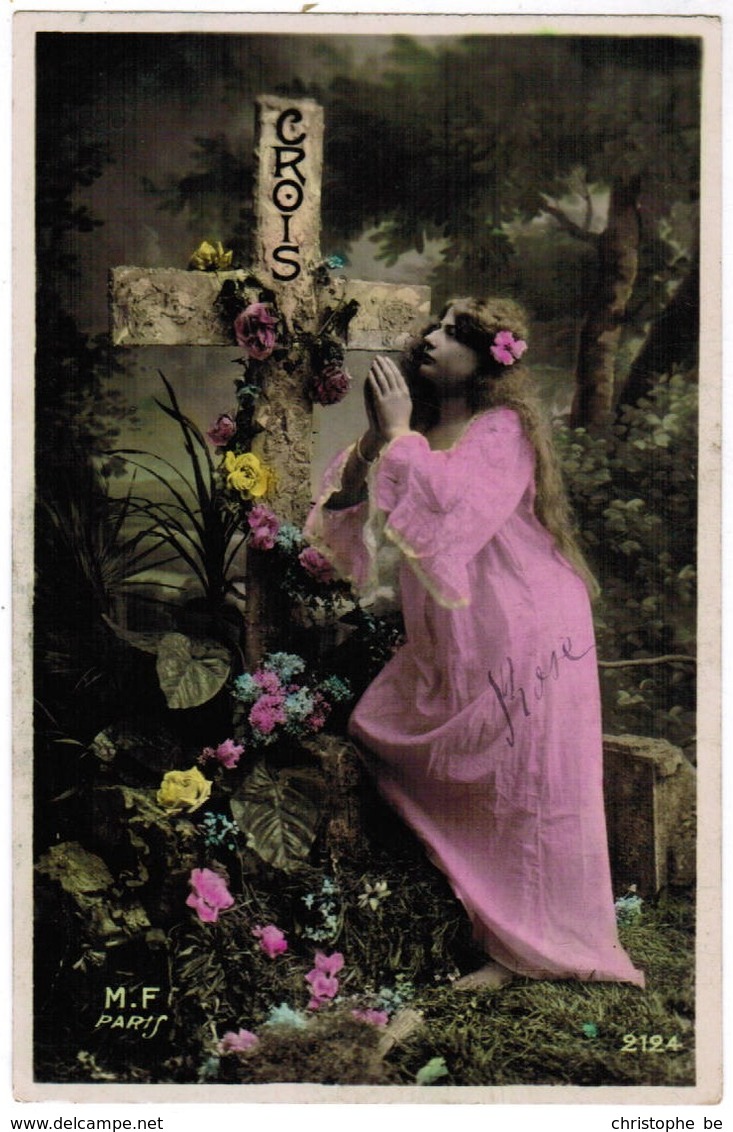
(285, 664)
(336, 689)
(218, 831)
(325, 905)
(284, 1015)
(392, 999)
(290, 538)
(628, 908)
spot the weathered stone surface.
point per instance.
(288, 189)
(284, 414)
(165, 306)
(650, 794)
(172, 307)
(388, 314)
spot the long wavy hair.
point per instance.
(492, 385)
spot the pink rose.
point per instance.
(265, 527)
(222, 430)
(253, 329)
(209, 896)
(314, 563)
(272, 940)
(331, 385)
(237, 1042)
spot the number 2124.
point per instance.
(649, 1043)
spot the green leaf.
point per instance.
(432, 1071)
(191, 672)
(278, 819)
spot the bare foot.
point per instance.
(492, 975)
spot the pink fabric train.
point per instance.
(484, 730)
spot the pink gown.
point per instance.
(484, 730)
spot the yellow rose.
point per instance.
(210, 257)
(183, 790)
(245, 473)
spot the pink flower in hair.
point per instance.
(323, 982)
(506, 348)
(323, 988)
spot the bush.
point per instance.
(634, 491)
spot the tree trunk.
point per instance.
(672, 340)
(618, 260)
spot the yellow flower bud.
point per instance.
(210, 257)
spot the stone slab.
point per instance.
(649, 790)
(650, 796)
(288, 188)
(172, 307)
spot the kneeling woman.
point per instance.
(484, 730)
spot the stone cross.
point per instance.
(177, 307)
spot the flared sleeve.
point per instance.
(442, 508)
(339, 534)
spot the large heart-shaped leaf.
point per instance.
(278, 818)
(191, 672)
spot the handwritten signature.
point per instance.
(506, 691)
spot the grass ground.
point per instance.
(571, 1033)
(526, 1033)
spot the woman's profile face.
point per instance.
(445, 360)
